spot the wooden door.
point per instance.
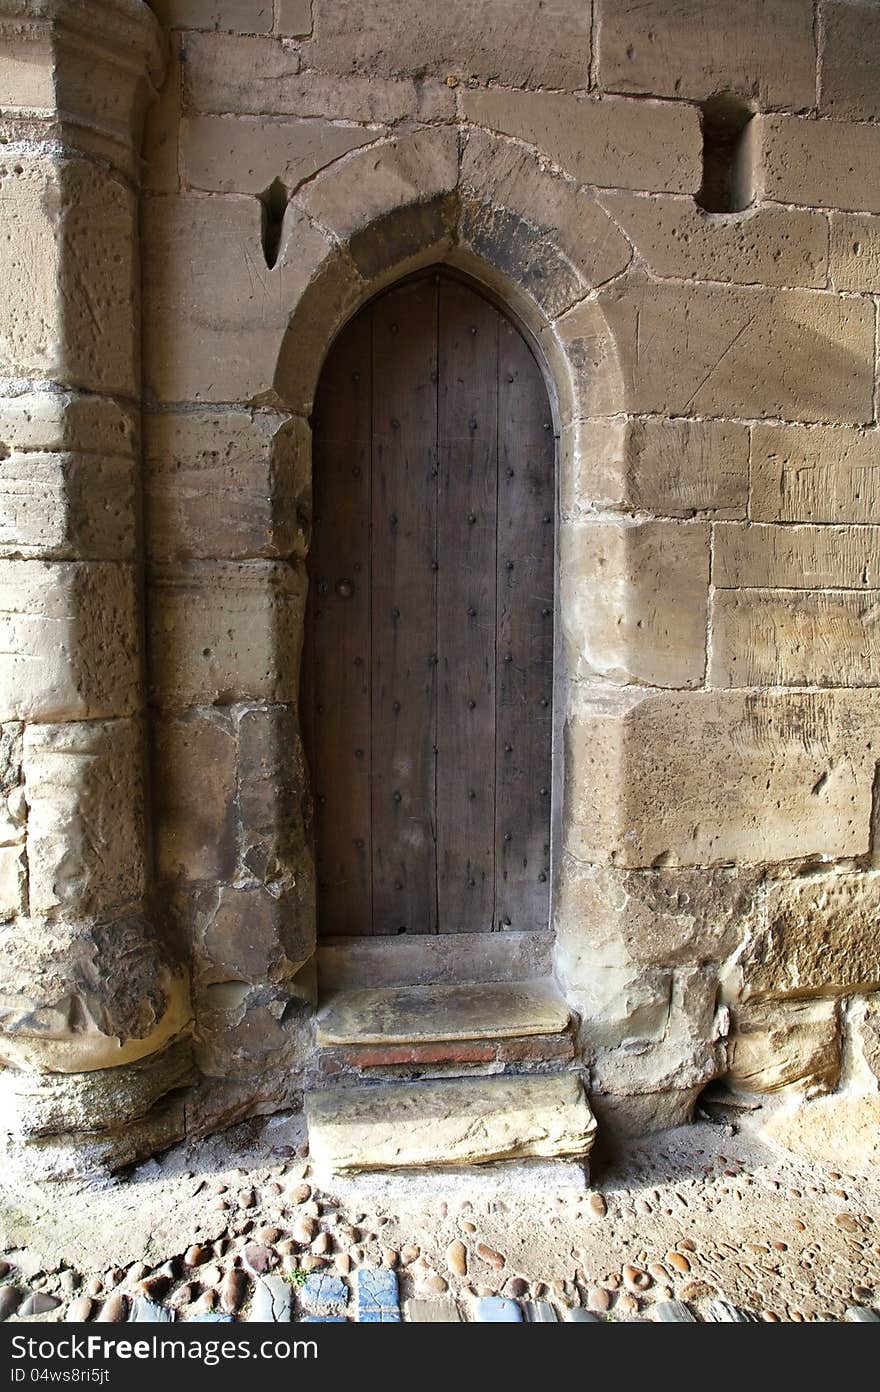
(428, 665)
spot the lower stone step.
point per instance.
(418, 1015)
(467, 1121)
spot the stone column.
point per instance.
(94, 1011)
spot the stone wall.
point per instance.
(715, 376)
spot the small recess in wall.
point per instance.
(728, 158)
(274, 201)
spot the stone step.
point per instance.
(423, 1015)
(466, 1121)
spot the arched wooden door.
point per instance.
(428, 668)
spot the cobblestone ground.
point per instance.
(238, 1226)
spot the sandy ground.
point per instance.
(703, 1211)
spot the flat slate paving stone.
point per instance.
(272, 1302)
(438, 1014)
(376, 1296)
(144, 1311)
(215, 1318)
(673, 1312)
(442, 1311)
(323, 1294)
(540, 1312)
(497, 1309)
(722, 1312)
(860, 1314)
(581, 1316)
(324, 1319)
(471, 1120)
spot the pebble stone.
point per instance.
(233, 1289)
(79, 1310)
(597, 1205)
(490, 1255)
(114, 1310)
(679, 1262)
(10, 1299)
(456, 1258)
(598, 1300)
(37, 1303)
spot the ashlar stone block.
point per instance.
(233, 154)
(85, 841)
(781, 638)
(242, 16)
(214, 314)
(540, 46)
(763, 49)
(814, 474)
(819, 937)
(825, 164)
(56, 506)
(672, 468)
(741, 351)
(796, 558)
(68, 230)
(850, 61)
(785, 1044)
(229, 484)
(763, 246)
(68, 640)
(709, 778)
(616, 144)
(633, 601)
(855, 252)
(225, 632)
(251, 76)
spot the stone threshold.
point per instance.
(419, 1016)
(467, 1121)
(345, 964)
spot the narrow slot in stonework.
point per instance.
(274, 203)
(728, 183)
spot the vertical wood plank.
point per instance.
(466, 603)
(338, 637)
(526, 510)
(404, 608)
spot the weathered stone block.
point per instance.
(685, 1055)
(13, 881)
(855, 252)
(850, 61)
(194, 758)
(592, 378)
(228, 75)
(272, 800)
(763, 49)
(225, 632)
(232, 154)
(61, 422)
(669, 467)
(785, 1044)
(814, 475)
(70, 251)
(293, 17)
(796, 558)
(411, 169)
(712, 777)
(803, 161)
(864, 1030)
(249, 936)
(777, 638)
(245, 1031)
(26, 71)
(622, 144)
(214, 319)
(645, 619)
(742, 351)
(76, 999)
(545, 46)
(242, 16)
(227, 484)
(85, 833)
(764, 246)
(820, 937)
(67, 505)
(68, 647)
(535, 228)
(606, 916)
